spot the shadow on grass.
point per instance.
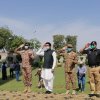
(2, 82)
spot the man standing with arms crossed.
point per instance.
(93, 56)
(48, 66)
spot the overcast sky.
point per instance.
(42, 19)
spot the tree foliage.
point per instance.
(58, 41)
(61, 40)
(10, 41)
(16, 41)
(35, 44)
(5, 35)
(71, 40)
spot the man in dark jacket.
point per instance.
(4, 71)
(93, 56)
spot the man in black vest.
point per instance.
(48, 66)
(93, 56)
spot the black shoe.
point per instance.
(91, 95)
(39, 87)
(97, 95)
(48, 92)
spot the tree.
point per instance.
(35, 44)
(5, 35)
(16, 41)
(2, 44)
(10, 41)
(71, 40)
(59, 41)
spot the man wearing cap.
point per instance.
(26, 55)
(70, 61)
(93, 56)
(48, 66)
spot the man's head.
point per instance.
(69, 48)
(80, 63)
(26, 46)
(93, 45)
(47, 46)
(4, 63)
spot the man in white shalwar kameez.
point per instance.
(48, 66)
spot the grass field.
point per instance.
(59, 82)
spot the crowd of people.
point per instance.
(46, 74)
(14, 70)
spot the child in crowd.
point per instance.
(81, 75)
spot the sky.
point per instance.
(42, 19)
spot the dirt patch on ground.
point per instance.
(17, 95)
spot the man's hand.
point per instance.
(21, 46)
(62, 51)
(52, 70)
(87, 45)
(43, 46)
(82, 74)
(64, 48)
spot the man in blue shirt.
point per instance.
(81, 72)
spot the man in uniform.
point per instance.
(26, 55)
(93, 56)
(70, 61)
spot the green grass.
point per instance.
(59, 82)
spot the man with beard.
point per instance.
(48, 66)
(26, 55)
(93, 56)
